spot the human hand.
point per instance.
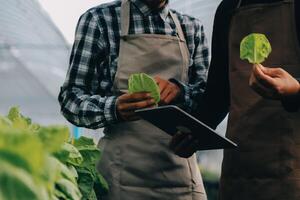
(273, 83)
(128, 103)
(184, 144)
(168, 91)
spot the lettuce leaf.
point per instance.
(90, 180)
(144, 83)
(255, 48)
(53, 137)
(18, 184)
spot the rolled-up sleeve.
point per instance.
(80, 99)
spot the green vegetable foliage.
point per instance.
(255, 48)
(40, 163)
(144, 83)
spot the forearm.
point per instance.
(85, 110)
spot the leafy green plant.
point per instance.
(211, 183)
(40, 163)
(255, 48)
(144, 83)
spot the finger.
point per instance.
(273, 72)
(170, 97)
(162, 86)
(165, 93)
(140, 96)
(136, 105)
(263, 78)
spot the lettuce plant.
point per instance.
(41, 163)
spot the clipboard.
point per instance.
(172, 119)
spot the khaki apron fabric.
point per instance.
(136, 160)
(267, 164)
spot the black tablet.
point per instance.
(172, 119)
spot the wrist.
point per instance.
(180, 96)
(117, 112)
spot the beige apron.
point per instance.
(267, 164)
(136, 160)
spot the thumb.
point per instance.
(268, 71)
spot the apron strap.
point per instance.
(178, 26)
(125, 17)
(125, 20)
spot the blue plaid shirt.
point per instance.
(86, 97)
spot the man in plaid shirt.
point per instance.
(87, 98)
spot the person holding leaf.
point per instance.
(145, 40)
(263, 100)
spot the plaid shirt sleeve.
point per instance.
(197, 72)
(79, 98)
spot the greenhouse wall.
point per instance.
(33, 61)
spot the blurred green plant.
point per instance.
(211, 183)
(41, 163)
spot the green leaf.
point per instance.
(93, 196)
(89, 151)
(14, 114)
(21, 122)
(90, 180)
(84, 141)
(91, 156)
(85, 182)
(18, 184)
(69, 189)
(53, 137)
(5, 122)
(255, 48)
(101, 186)
(144, 83)
(22, 149)
(18, 121)
(51, 174)
(69, 154)
(67, 173)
